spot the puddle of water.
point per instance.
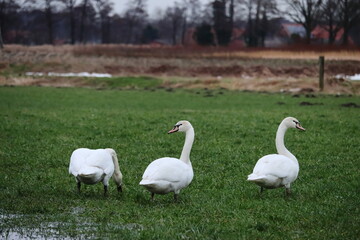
(48, 230)
(30, 234)
(52, 230)
(129, 226)
(77, 210)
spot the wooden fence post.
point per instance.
(321, 72)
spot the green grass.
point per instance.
(125, 82)
(40, 127)
(14, 69)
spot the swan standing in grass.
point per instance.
(278, 170)
(167, 174)
(91, 166)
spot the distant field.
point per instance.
(287, 70)
(40, 127)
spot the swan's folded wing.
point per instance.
(274, 164)
(165, 169)
(84, 157)
(102, 159)
(77, 160)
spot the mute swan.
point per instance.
(278, 170)
(167, 174)
(91, 166)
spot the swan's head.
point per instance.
(291, 122)
(181, 126)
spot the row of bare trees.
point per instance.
(333, 15)
(82, 21)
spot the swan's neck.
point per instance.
(117, 173)
(280, 146)
(189, 139)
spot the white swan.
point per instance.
(278, 170)
(167, 174)
(91, 166)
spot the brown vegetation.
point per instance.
(259, 70)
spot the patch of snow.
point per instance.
(82, 74)
(355, 77)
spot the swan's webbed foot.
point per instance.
(287, 192)
(176, 197)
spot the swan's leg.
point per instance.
(106, 184)
(105, 190)
(176, 194)
(287, 190)
(152, 196)
(119, 188)
(78, 186)
(261, 190)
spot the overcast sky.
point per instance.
(152, 5)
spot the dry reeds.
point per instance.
(250, 68)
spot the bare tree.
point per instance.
(193, 11)
(8, 15)
(70, 5)
(1, 40)
(268, 9)
(176, 17)
(221, 23)
(306, 13)
(104, 7)
(191, 16)
(135, 18)
(349, 16)
(2, 19)
(231, 13)
(331, 18)
(84, 6)
(258, 14)
(49, 20)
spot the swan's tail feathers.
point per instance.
(256, 178)
(146, 182)
(90, 175)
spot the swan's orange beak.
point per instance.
(298, 126)
(175, 129)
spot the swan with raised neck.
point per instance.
(185, 126)
(278, 170)
(167, 174)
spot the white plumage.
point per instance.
(90, 166)
(278, 170)
(167, 174)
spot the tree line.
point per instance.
(34, 22)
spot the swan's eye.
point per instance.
(178, 125)
(296, 122)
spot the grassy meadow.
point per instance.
(40, 127)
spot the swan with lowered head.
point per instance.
(90, 166)
(278, 170)
(167, 174)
